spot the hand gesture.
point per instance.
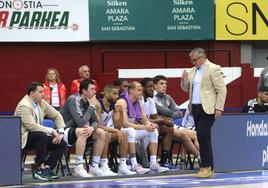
(218, 114)
(167, 122)
(185, 75)
(118, 108)
(150, 127)
(87, 131)
(57, 137)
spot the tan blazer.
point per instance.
(212, 90)
(29, 123)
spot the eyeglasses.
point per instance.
(195, 60)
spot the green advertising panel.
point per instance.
(151, 19)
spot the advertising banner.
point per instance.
(44, 20)
(240, 142)
(151, 20)
(10, 150)
(241, 20)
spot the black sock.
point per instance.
(164, 156)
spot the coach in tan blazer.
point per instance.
(207, 93)
(32, 109)
(28, 116)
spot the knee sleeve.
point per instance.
(154, 136)
(131, 134)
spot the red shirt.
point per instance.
(62, 91)
(76, 83)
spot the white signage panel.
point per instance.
(44, 20)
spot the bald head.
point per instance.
(84, 72)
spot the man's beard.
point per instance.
(149, 95)
(111, 101)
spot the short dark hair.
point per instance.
(119, 81)
(263, 89)
(144, 81)
(33, 86)
(157, 78)
(108, 88)
(84, 84)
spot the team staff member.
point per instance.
(207, 93)
(84, 73)
(32, 109)
(54, 90)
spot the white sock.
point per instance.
(133, 161)
(103, 161)
(95, 161)
(152, 160)
(79, 159)
(123, 161)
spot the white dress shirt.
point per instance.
(196, 85)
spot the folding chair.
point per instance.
(50, 123)
(188, 161)
(113, 156)
(88, 152)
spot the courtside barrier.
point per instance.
(240, 142)
(10, 150)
